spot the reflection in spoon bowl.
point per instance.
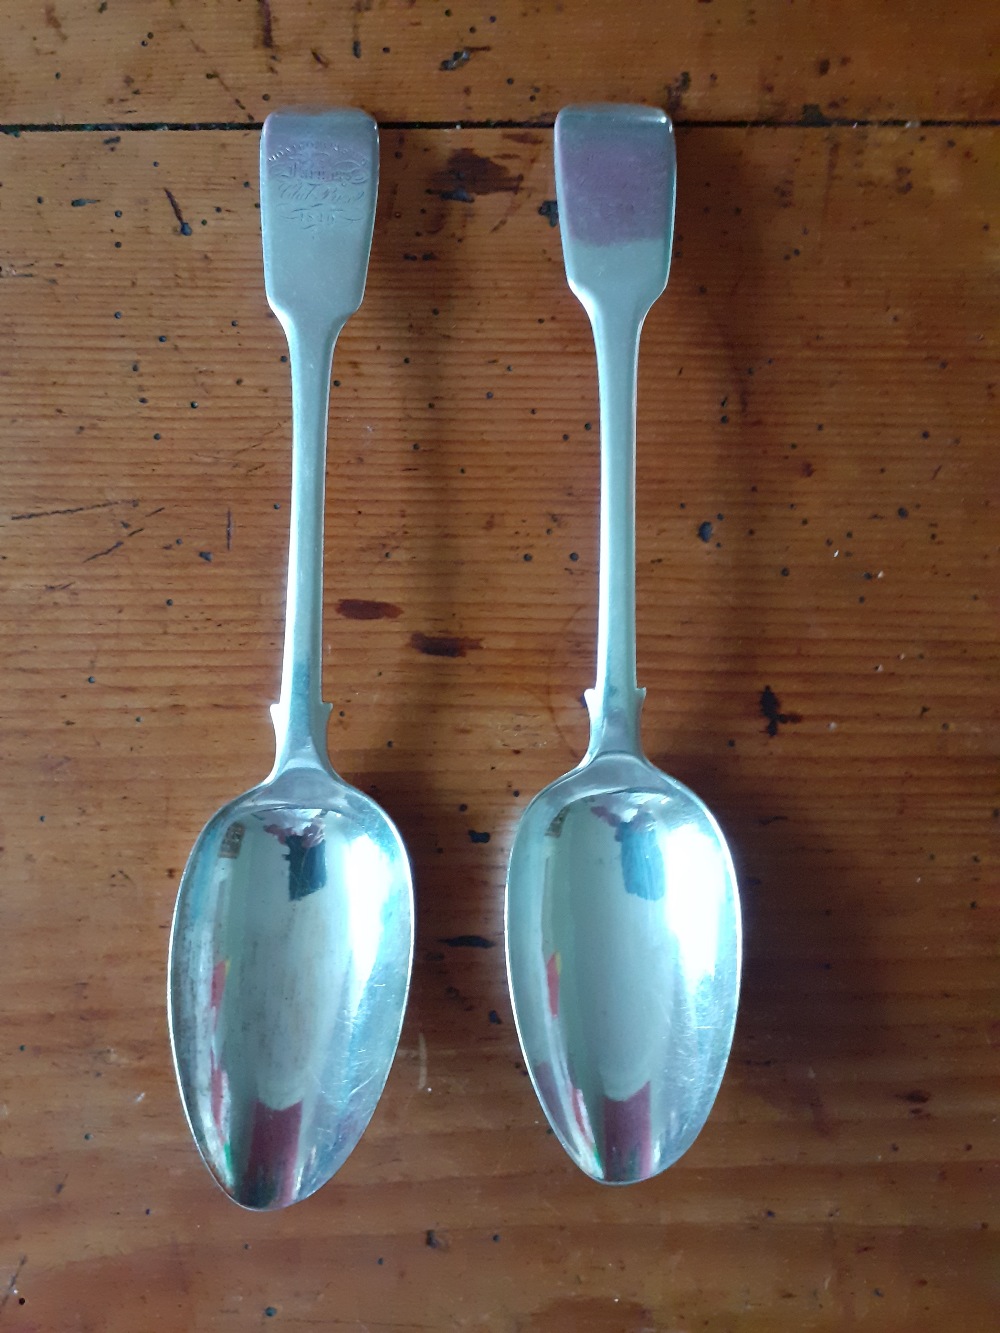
(623, 943)
(289, 969)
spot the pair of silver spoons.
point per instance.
(292, 940)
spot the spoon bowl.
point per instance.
(289, 969)
(623, 956)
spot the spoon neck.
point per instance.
(616, 700)
(300, 716)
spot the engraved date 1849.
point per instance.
(319, 186)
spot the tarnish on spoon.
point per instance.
(292, 939)
(622, 911)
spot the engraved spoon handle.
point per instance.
(615, 183)
(319, 181)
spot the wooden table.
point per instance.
(818, 600)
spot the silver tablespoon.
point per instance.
(292, 938)
(622, 910)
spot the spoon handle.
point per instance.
(615, 701)
(615, 184)
(319, 181)
(300, 716)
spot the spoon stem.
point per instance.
(300, 716)
(615, 701)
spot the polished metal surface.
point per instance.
(623, 943)
(622, 911)
(288, 979)
(292, 938)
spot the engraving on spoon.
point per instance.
(320, 184)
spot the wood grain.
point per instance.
(817, 514)
(76, 61)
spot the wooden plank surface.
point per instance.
(817, 514)
(78, 61)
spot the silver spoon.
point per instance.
(292, 939)
(623, 920)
